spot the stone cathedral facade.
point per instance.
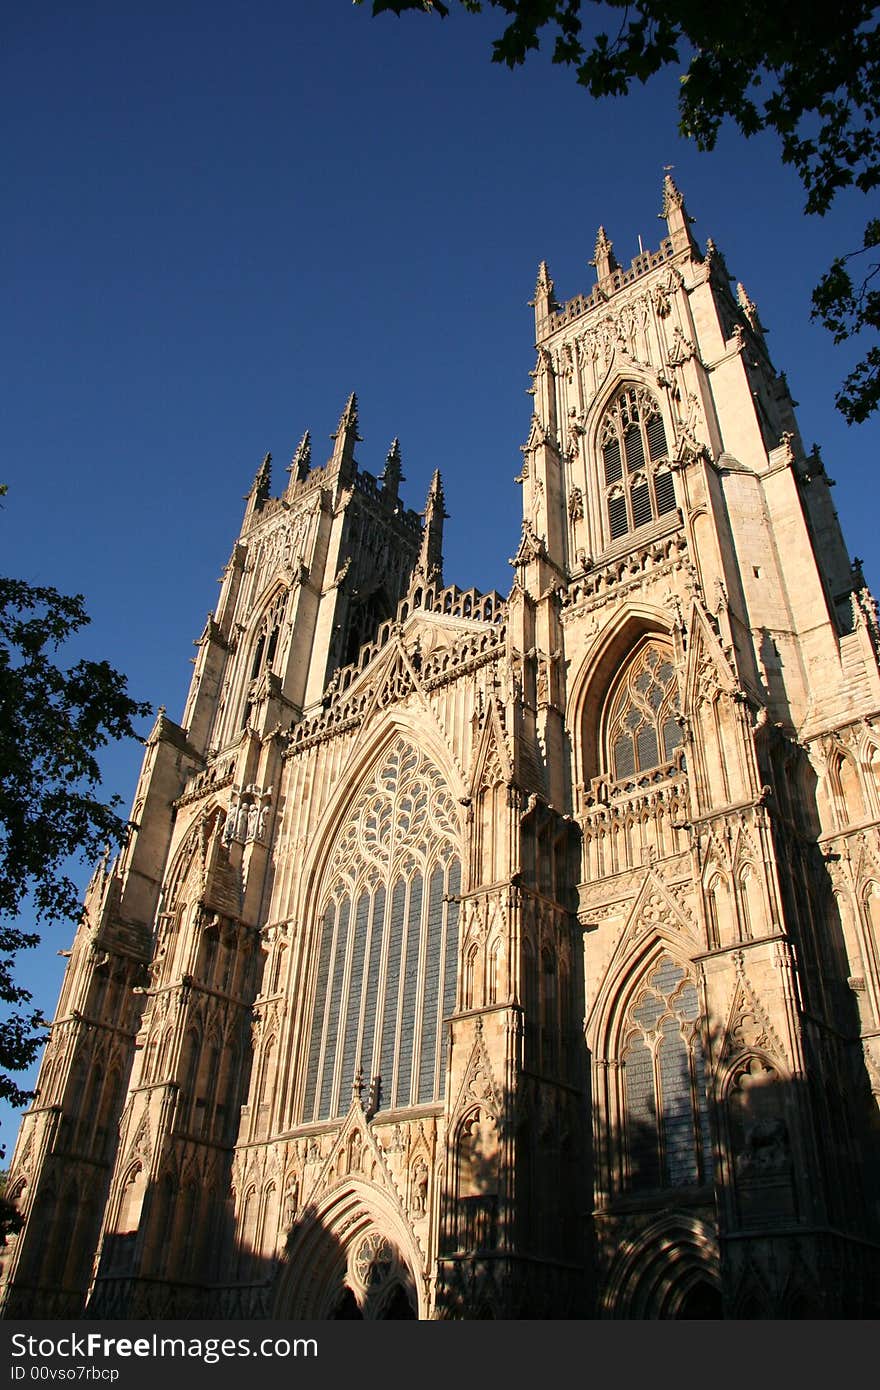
(485, 957)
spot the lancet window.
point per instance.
(387, 944)
(635, 472)
(265, 649)
(266, 644)
(643, 729)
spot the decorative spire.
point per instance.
(604, 258)
(346, 436)
(348, 420)
(677, 217)
(672, 195)
(544, 301)
(392, 476)
(544, 284)
(749, 308)
(299, 465)
(261, 484)
(429, 565)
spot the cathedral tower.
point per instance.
(474, 957)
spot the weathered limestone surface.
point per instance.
(499, 957)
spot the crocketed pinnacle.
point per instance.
(262, 481)
(429, 565)
(678, 219)
(392, 475)
(603, 256)
(346, 437)
(301, 462)
(348, 420)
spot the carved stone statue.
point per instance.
(419, 1203)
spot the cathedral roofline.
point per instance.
(611, 276)
(618, 279)
(341, 468)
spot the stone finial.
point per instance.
(786, 449)
(261, 484)
(160, 726)
(749, 308)
(672, 195)
(346, 436)
(301, 462)
(373, 1096)
(348, 420)
(435, 500)
(544, 283)
(429, 565)
(544, 301)
(603, 256)
(392, 475)
(677, 217)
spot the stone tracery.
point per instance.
(389, 935)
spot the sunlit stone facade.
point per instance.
(486, 957)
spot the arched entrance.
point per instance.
(670, 1270)
(349, 1259)
(377, 1283)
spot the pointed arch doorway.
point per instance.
(347, 1260)
(377, 1283)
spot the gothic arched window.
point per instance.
(266, 644)
(643, 729)
(265, 649)
(666, 1113)
(846, 783)
(387, 943)
(636, 477)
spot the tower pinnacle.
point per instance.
(678, 219)
(259, 489)
(346, 437)
(749, 308)
(392, 475)
(543, 301)
(604, 258)
(301, 462)
(429, 565)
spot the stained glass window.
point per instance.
(386, 967)
(633, 435)
(643, 730)
(667, 1124)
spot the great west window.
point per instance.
(387, 944)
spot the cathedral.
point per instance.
(474, 956)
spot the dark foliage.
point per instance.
(53, 720)
(848, 307)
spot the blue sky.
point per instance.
(223, 218)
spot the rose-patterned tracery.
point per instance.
(388, 939)
(402, 820)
